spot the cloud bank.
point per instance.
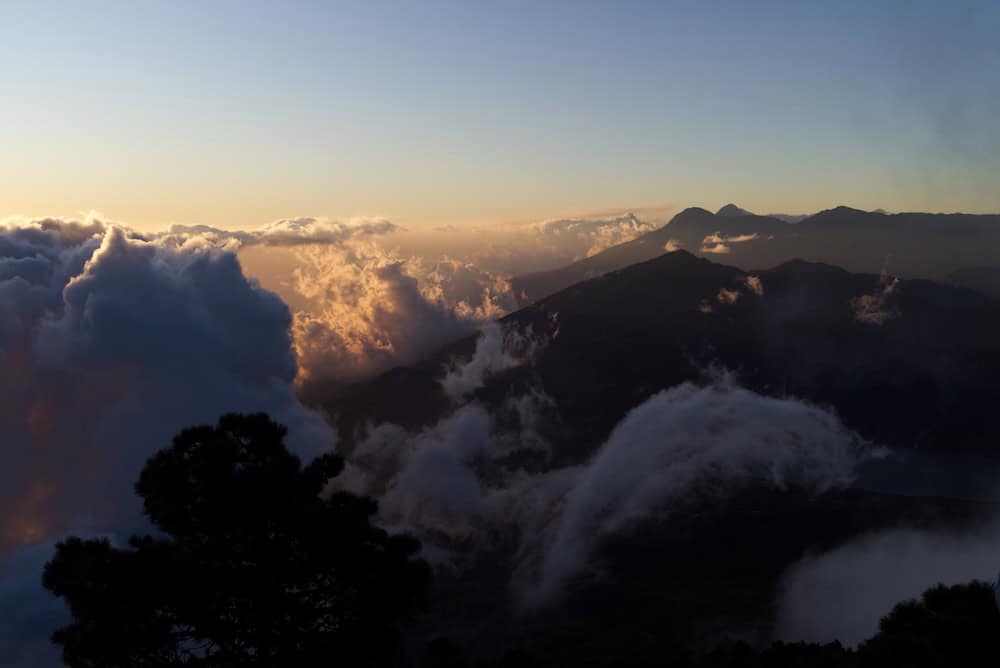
(287, 232)
(110, 343)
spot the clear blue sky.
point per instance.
(236, 113)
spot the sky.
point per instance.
(234, 114)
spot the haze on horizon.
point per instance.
(236, 114)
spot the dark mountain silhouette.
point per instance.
(732, 210)
(914, 245)
(789, 217)
(909, 364)
(981, 279)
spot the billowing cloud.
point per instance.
(449, 483)
(472, 292)
(110, 344)
(497, 350)
(441, 481)
(684, 441)
(465, 480)
(366, 310)
(359, 305)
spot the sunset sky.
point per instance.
(237, 113)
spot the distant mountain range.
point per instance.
(913, 245)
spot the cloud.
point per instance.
(286, 232)
(498, 349)
(366, 310)
(718, 238)
(449, 483)
(842, 594)
(465, 482)
(472, 292)
(110, 343)
(355, 314)
(727, 296)
(750, 285)
(681, 442)
(359, 307)
(720, 244)
(879, 307)
(437, 489)
(754, 285)
(583, 237)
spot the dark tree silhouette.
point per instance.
(254, 567)
(948, 626)
(443, 653)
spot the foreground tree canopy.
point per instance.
(254, 567)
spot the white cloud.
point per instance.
(497, 350)
(842, 594)
(754, 285)
(679, 438)
(720, 244)
(281, 233)
(879, 307)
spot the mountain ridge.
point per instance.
(905, 363)
(918, 245)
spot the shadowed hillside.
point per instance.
(909, 364)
